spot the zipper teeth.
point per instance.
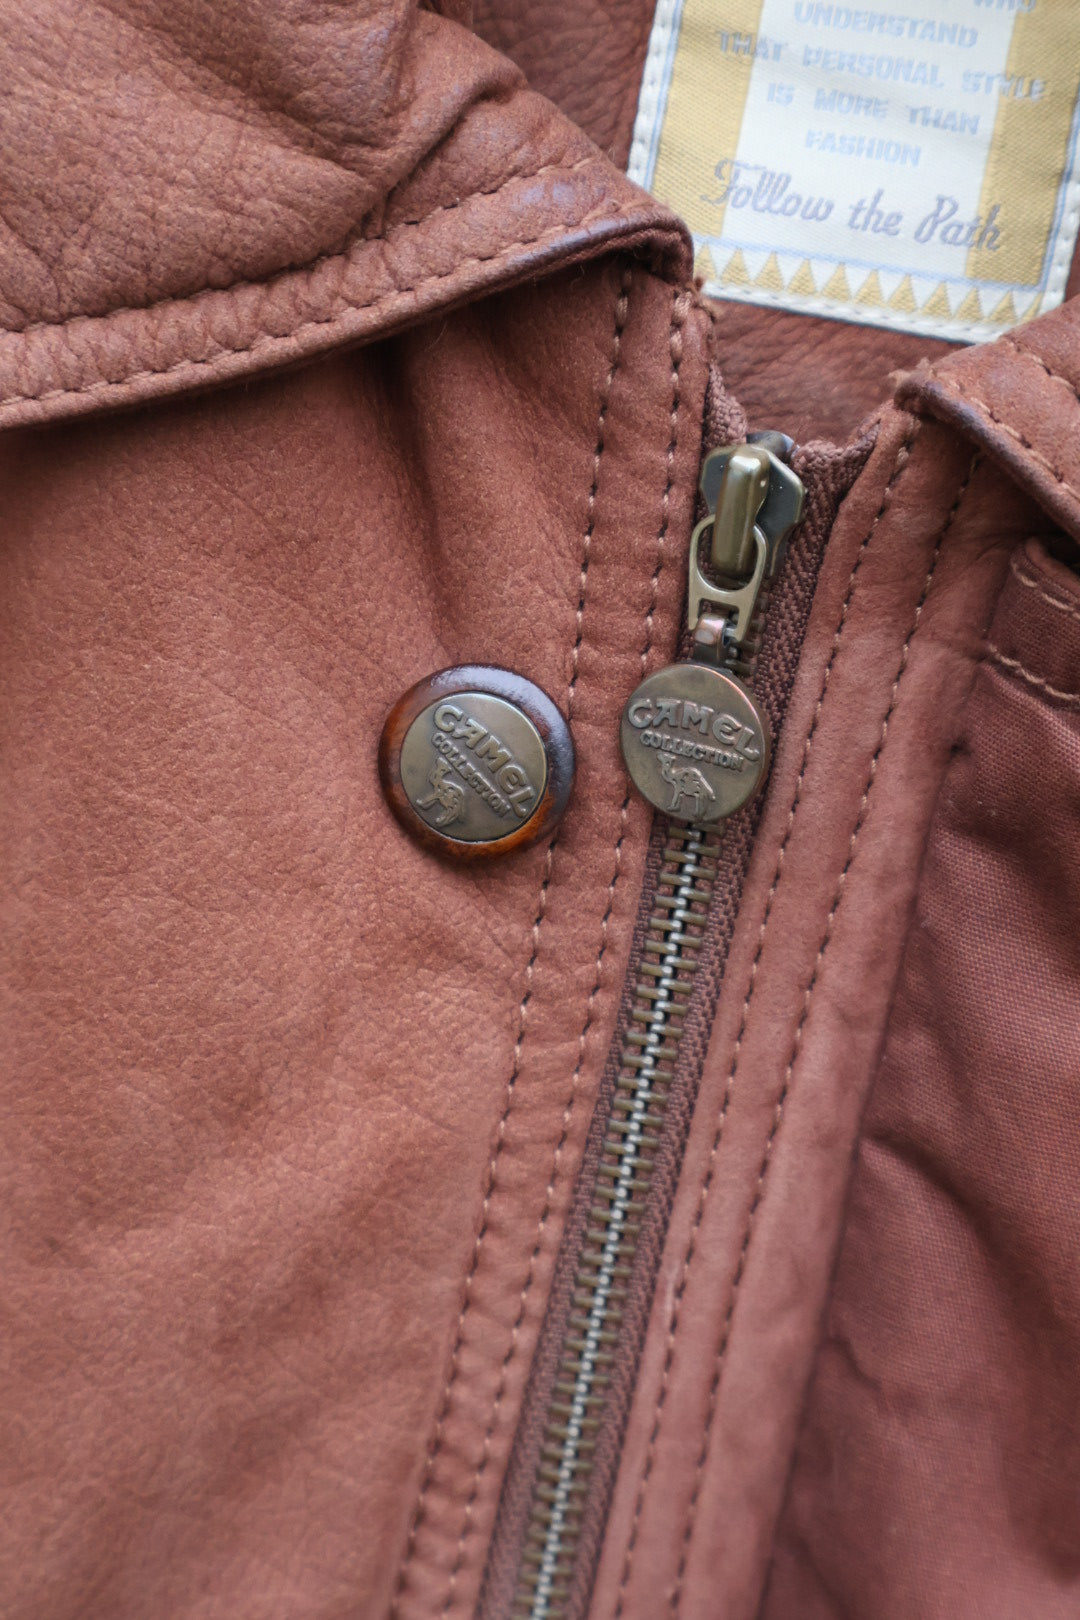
(668, 965)
(669, 961)
(543, 1569)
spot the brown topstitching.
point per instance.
(272, 340)
(621, 309)
(902, 458)
(1044, 595)
(1070, 700)
(303, 266)
(675, 348)
(954, 386)
(1029, 354)
(759, 1189)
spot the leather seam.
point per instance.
(675, 351)
(267, 340)
(1015, 667)
(796, 1046)
(1031, 584)
(1055, 376)
(973, 663)
(435, 1447)
(674, 1322)
(621, 307)
(1036, 455)
(303, 266)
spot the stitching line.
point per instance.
(675, 350)
(273, 340)
(952, 385)
(1061, 603)
(1030, 354)
(622, 304)
(308, 265)
(902, 458)
(435, 1447)
(785, 1089)
(1015, 667)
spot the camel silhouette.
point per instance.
(450, 795)
(687, 782)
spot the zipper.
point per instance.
(694, 731)
(696, 739)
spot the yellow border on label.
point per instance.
(1029, 147)
(705, 105)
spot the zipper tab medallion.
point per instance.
(695, 740)
(697, 745)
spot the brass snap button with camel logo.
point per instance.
(695, 742)
(476, 762)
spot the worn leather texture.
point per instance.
(193, 194)
(937, 1470)
(333, 354)
(587, 58)
(1018, 398)
(895, 1508)
(813, 378)
(291, 1108)
(890, 652)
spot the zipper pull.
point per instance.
(695, 740)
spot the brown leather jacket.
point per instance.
(333, 354)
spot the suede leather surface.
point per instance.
(810, 377)
(239, 187)
(938, 1467)
(291, 1108)
(270, 1067)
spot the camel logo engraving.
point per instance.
(695, 742)
(449, 795)
(687, 782)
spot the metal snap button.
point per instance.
(476, 762)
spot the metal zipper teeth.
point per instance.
(680, 908)
(690, 917)
(669, 961)
(584, 1398)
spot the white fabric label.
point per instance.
(910, 168)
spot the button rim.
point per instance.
(492, 681)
